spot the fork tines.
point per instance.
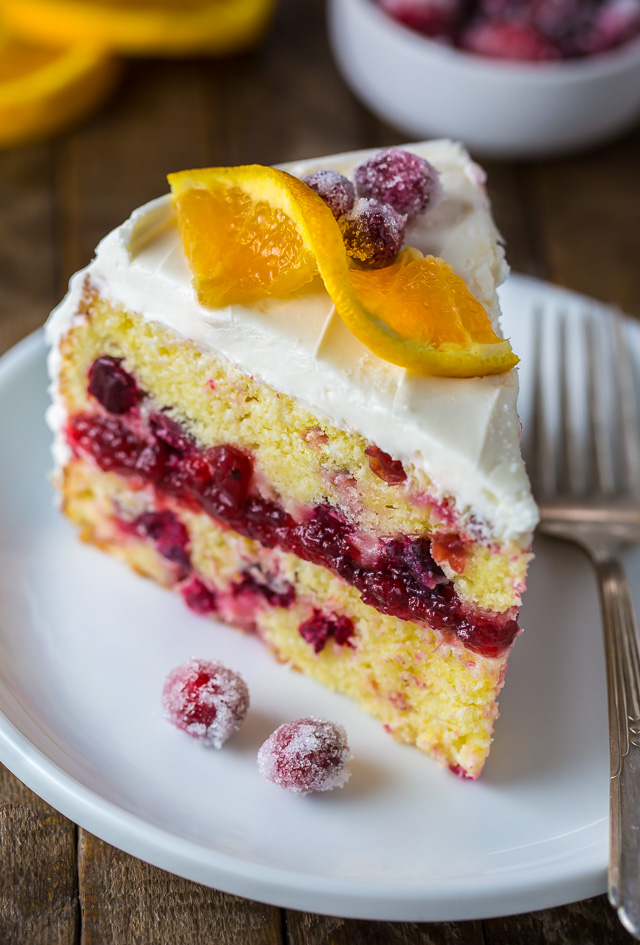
(595, 424)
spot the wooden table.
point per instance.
(571, 221)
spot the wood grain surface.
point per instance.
(573, 221)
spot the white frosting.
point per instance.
(464, 433)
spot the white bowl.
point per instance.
(497, 108)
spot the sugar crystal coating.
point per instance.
(508, 39)
(431, 17)
(206, 700)
(337, 191)
(526, 30)
(373, 233)
(405, 181)
(306, 755)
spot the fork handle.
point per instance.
(623, 678)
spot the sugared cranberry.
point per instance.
(399, 178)
(561, 21)
(373, 233)
(206, 700)
(320, 628)
(435, 18)
(112, 386)
(337, 191)
(306, 755)
(386, 468)
(198, 597)
(615, 22)
(504, 39)
(168, 534)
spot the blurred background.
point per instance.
(99, 141)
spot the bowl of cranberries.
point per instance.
(510, 78)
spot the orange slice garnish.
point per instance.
(143, 27)
(248, 232)
(42, 89)
(253, 231)
(420, 315)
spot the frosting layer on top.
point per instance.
(463, 433)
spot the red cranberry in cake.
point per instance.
(320, 628)
(170, 432)
(386, 468)
(404, 181)
(452, 549)
(275, 590)
(169, 535)
(459, 772)
(337, 191)
(305, 756)
(198, 597)
(231, 474)
(112, 386)
(373, 233)
(206, 700)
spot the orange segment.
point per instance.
(146, 27)
(44, 89)
(420, 315)
(241, 231)
(254, 231)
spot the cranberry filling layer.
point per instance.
(403, 581)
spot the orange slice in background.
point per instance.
(42, 89)
(143, 27)
(253, 231)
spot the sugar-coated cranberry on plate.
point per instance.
(206, 700)
(306, 755)
(399, 178)
(337, 191)
(373, 233)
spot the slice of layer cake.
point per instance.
(370, 523)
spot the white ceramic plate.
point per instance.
(85, 647)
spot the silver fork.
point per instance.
(588, 489)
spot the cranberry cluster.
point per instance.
(527, 30)
(389, 190)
